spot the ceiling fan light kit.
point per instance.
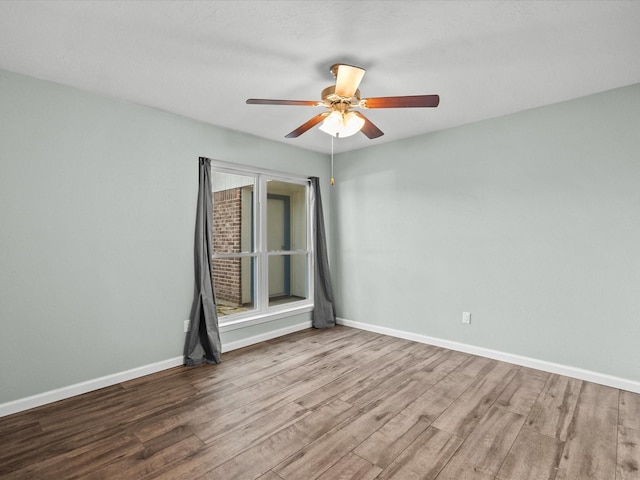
(340, 120)
(340, 124)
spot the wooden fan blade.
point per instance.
(369, 129)
(306, 126)
(348, 79)
(302, 103)
(402, 102)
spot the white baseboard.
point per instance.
(580, 374)
(51, 396)
(83, 387)
(263, 337)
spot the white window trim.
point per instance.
(263, 313)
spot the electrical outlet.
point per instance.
(466, 317)
(186, 325)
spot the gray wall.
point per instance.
(531, 222)
(97, 212)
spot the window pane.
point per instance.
(261, 247)
(286, 216)
(287, 278)
(232, 213)
(233, 282)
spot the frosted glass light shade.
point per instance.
(342, 125)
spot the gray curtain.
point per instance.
(324, 310)
(202, 343)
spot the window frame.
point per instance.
(263, 312)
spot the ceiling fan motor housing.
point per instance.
(338, 102)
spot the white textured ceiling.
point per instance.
(204, 59)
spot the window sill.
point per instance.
(258, 318)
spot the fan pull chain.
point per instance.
(332, 180)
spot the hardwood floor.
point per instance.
(328, 405)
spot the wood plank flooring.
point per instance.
(333, 404)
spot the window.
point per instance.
(262, 260)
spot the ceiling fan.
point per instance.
(340, 120)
